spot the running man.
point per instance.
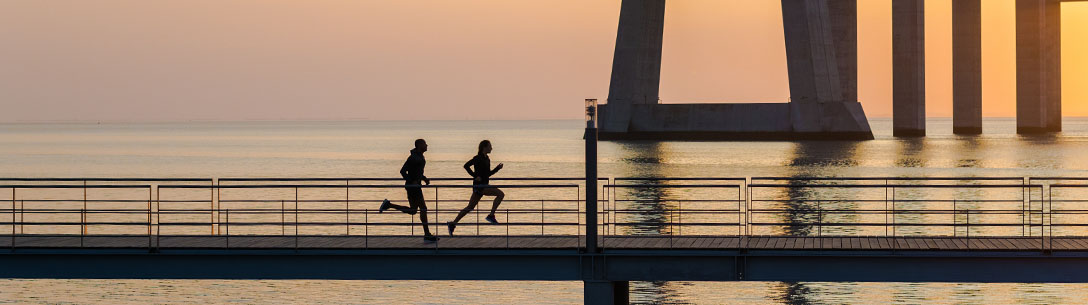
(480, 170)
(412, 172)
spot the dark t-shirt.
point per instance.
(412, 171)
(480, 168)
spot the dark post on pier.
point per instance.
(591, 175)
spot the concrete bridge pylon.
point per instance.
(821, 54)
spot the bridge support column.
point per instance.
(967, 66)
(636, 67)
(908, 68)
(607, 292)
(1038, 66)
(844, 32)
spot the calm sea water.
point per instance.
(529, 149)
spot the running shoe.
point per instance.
(384, 206)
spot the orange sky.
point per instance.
(138, 60)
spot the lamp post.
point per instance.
(591, 175)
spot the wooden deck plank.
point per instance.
(779, 242)
(960, 243)
(885, 243)
(909, 243)
(1082, 244)
(702, 242)
(1013, 243)
(1064, 244)
(757, 242)
(931, 244)
(1003, 244)
(790, 243)
(947, 244)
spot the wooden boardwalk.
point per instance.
(551, 242)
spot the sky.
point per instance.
(181, 60)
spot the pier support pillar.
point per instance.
(811, 53)
(967, 66)
(1038, 66)
(607, 292)
(908, 68)
(844, 32)
(636, 67)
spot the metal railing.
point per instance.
(963, 207)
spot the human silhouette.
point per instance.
(412, 172)
(480, 170)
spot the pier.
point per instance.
(868, 229)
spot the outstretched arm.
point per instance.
(496, 170)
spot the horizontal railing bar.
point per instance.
(673, 185)
(70, 186)
(362, 186)
(111, 179)
(888, 178)
(899, 185)
(341, 224)
(865, 224)
(683, 179)
(958, 211)
(400, 179)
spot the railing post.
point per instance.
(820, 221)
(591, 175)
(150, 238)
(13, 219)
(82, 224)
(366, 228)
(507, 211)
(227, 228)
(211, 207)
(83, 216)
(158, 217)
(296, 218)
(347, 207)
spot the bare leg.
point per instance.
(472, 202)
(499, 195)
(403, 209)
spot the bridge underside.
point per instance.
(751, 122)
(553, 258)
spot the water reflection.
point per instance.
(814, 159)
(649, 209)
(967, 152)
(909, 152)
(648, 206)
(810, 159)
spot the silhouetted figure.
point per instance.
(480, 170)
(412, 172)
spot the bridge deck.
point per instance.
(551, 242)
